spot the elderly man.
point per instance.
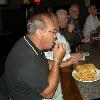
(74, 19)
(67, 60)
(29, 75)
(61, 39)
(92, 24)
(66, 29)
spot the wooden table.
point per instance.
(69, 87)
(74, 90)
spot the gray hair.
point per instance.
(61, 12)
(35, 22)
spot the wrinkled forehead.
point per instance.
(76, 8)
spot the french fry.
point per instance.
(86, 72)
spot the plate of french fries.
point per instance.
(86, 73)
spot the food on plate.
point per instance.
(86, 72)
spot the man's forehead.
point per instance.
(75, 7)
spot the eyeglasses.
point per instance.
(54, 32)
(75, 11)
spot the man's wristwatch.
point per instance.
(56, 62)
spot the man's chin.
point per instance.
(49, 48)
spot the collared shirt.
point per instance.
(26, 71)
(49, 55)
(91, 24)
(61, 39)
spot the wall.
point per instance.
(0, 22)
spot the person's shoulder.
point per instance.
(20, 41)
(97, 18)
(61, 37)
(70, 19)
(89, 17)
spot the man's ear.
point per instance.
(39, 33)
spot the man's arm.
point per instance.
(53, 81)
(50, 62)
(75, 57)
(53, 78)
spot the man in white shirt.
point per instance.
(49, 55)
(61, 39)
(67, 60)
(92, 24)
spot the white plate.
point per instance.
(97, 71)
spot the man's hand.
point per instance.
(75, 57)
(86, 39)
(70, 27)
(68, 62)
(59, 52)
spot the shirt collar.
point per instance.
(39, 52)
(71, 18)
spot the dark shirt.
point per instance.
(70, 38)
(26, 71)
(77, 28)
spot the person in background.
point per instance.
(61, 39)
(50, 9)
(92, 24)
(73, 18)
(28, 74)
(66, 29)
(67, 60)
